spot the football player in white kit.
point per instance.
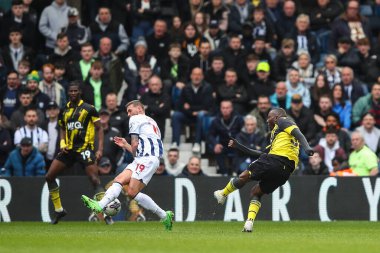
(147, 149)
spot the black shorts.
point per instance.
(86, 157)
(271, 171)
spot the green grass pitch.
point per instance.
(197, 237)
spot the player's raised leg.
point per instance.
(233, 184)
(112, 192)
(50, 177)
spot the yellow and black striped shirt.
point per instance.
(78, 121)
(282, 143)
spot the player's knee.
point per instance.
(132, 192)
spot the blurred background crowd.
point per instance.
(206, 71)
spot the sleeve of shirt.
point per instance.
(134, 125)
(371, 161)
(286, 125)
(94, 114)
(17, 138)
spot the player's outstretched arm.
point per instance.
(301, 138)
(121, 142)
(233, 143)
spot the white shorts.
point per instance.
(143, 168)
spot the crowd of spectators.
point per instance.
(215, 66)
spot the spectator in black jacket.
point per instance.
(193, 168)
(95, 88)
(303, 117)
(233, 90)
(215, 75)
(63, 52)
(159, 41)
(157, 103)
(225, 125)
(79, 69)
(233, 54)
(77, 33)
(347, 54)
(145, 12)
(284, 59)
(118, 117)
(316, 166)
(194, 104)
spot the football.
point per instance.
(112, 208)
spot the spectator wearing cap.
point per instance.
(145, 12)
(303, 117)
(24, 160)
(370, 132)
(304, 39)
(53, 19)
(347, 54)
(140, 56)
(295, 86)
(53, 130)
(30, 129)
(16, 17)
(16, 51)
(263, 85)
(105, 166)
(350, 24)
(367, 103)
(363, 161)
(158, 42)
(240, 12)
(118, 117)
(17, 119)
(77, 33)
(330, 148)
(40, 99)
(96, 87)
(161, 170)
(280, 98)
(157, 103)
(215, 36)
(105, 26)
(112, 65)
(111, 151)
(284, 59)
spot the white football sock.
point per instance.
(148, 203)
(112, 193)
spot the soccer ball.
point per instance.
(112, 208)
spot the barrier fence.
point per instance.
(301, 198)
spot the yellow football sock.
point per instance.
(54, 195)
(229, 188)
(253, 209)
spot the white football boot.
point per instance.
(248, 226)
(220, 197)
